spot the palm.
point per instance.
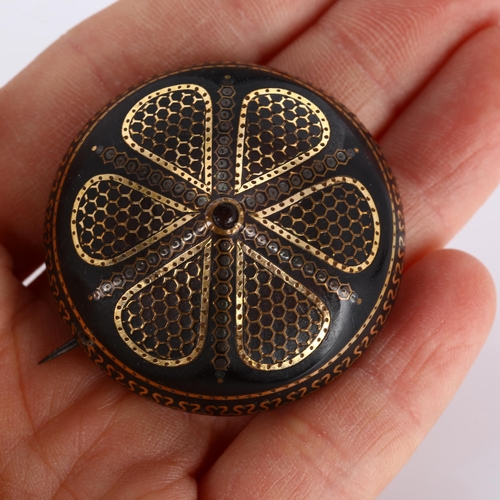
(422, 79)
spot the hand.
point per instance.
(423, 79)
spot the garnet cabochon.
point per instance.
(224, 239)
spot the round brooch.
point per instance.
(224, 239)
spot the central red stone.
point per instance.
(225, 216)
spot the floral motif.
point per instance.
(221, 234)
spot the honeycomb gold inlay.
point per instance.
(114, 218)
(278, 130)
(346, 238)
(158, 318)
(286, 323)
(173, 127)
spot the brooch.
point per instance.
(224, 239)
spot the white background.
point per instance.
(460, 458)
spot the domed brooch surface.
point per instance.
(224, 239)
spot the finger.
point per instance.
(445, 147)
(375, 56)
(47, 104)
(349, 439)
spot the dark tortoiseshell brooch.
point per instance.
(224, 239)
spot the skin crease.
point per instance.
(69, 431)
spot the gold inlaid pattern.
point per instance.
(114, 218)
(278, 130)
(173, 127)
(119, 369)
(163, 318)
(279, 321)
(336, 220)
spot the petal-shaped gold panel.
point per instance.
(336, 221)
(278, 130)
(163, 318)
(114, 218)
(173, 127)
(281, 322)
